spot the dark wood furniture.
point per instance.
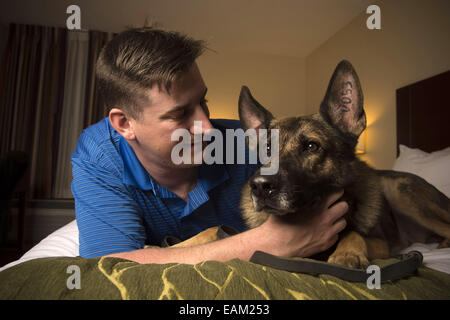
(13, 251)
(423, 114)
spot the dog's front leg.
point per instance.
(351, 251)
(206, 236)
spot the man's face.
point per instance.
(167, 112)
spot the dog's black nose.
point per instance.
(263, 186)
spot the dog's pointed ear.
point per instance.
(251, 113)
(342, 106)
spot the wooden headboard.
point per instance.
(423, 114)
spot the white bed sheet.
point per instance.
(433, 258)
(61, 243)
(64, 243)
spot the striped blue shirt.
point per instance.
(119, 207)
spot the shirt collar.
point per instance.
(133, 172)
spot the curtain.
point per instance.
(47, 96)
(94, 106)
(81, 106)
(72, 117)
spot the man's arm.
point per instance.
(108, 218)
(282, 236)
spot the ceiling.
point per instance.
(277, 27)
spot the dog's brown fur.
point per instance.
(317, 157)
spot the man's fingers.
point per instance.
(333, 240)
(339, 225)
(333, 198)
(337, 211)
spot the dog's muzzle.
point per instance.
(263, 186)
(263, 191)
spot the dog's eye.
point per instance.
(312, 146)
(269, 149)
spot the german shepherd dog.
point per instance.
(317, 158)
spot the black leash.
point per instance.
(407, 265)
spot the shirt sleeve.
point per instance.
(108, 218)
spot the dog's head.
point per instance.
(315, 152)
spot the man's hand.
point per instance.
(294, 236)
(297, 236)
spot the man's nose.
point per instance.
(200, 122)
(263, 186)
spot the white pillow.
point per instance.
(61, 243)
(434, 167)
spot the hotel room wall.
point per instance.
(277, 82)
(413, 44)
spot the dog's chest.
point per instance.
(365, 208)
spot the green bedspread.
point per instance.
(112, 278)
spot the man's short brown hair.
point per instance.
(137, 59)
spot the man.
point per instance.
(129, 193)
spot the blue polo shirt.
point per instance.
(120, 207)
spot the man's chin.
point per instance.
(186, 165)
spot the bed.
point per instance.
(48, 271)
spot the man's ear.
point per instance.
(342, 106)
(121, 123)
(251, 113)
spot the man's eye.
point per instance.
(186, 112)
(179, 115)
(183, 114)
